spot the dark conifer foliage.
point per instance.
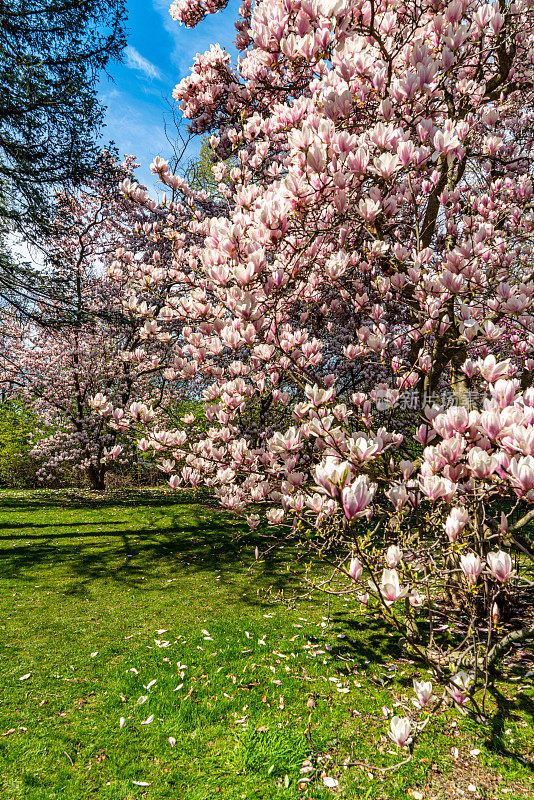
(52, 54)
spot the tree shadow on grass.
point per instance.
(21, 526)
(507, 709)
(197, 541)
(72, 499)
(370, 646)
(368, 641)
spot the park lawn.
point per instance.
(107, 601)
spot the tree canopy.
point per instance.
(52, 53)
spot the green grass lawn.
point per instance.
(152, 608)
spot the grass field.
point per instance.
(152, 609)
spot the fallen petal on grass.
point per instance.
(330, 783)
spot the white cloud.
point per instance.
(134, 60)
(144, 136)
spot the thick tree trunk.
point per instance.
(96, 478)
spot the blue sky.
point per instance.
(159, 54)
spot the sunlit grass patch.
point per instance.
(155, 612)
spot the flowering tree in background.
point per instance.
(361, 316)
(94, 342)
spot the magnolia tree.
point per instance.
(91, 356)
(362, 312)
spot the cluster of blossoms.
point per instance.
(191, 13)
(377, 239)
(403, 729)
(64, 452)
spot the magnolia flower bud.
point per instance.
(355, 569)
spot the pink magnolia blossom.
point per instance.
(400, 731)
(357, 496)
(481, 464)
(471, 566)
(393, 556)
(332, 474)
(390, 587)
(416, 599)
(355, 569)
(492, 370)
(456, 522)
(458, 418)
(459, 687)
(369, 209)
(423, 691)
(435, 487)
(522, 472)
(275, 516)
(500, 565)
(398, 495)
(406, 468)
